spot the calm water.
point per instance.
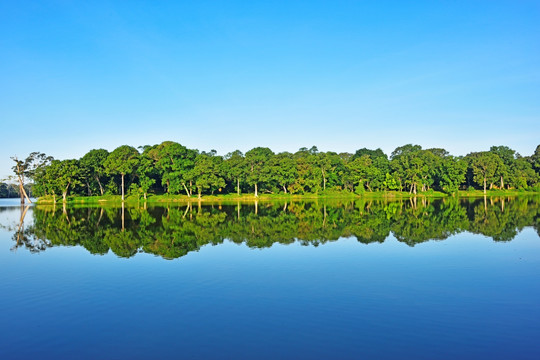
(412, 279)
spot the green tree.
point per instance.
(234, 168)
(175, 164)
(207, 173)
(484, 166)
(92, 164)
(283, 170)
(123, 161)
(258, 169)
(63, 175)
(147, 173)
(507, 163)
(534, 159)
(27, 169)
(359, 170)
(451, 174)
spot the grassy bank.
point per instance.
(111, 199)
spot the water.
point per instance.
(366, 279)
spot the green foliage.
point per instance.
(206, 173)
(93, 166)
(123, 160)
(258, 166)
(484, 166)
(172, 169)
(452, 174)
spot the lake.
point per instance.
(420, 278)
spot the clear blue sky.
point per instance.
(226, 75)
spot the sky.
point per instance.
(227, 75)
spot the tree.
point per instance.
(27, 169)
(8, 190)
(380, 165)
(174, 163)
(234, 167)
(257, 160)
(359, 169)
(206, 173)
(484, 165)
(123, 160)
(309, 176)
(451, 174)
(283, 170)
(146, 172)
(93, 164)
(523, 175)
(63, 175)
(404, 150)
(534, 159)
(507, 163)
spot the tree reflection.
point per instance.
(173, 231)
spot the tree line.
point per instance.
(171, 168)
(173, 231)
(8, 190)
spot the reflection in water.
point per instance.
(173, 230)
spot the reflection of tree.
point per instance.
(174, 231)
(501, 219)
(23, 237)
(435, 220)
(370, 222)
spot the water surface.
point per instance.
(419, 279)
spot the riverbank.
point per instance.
(111, 199)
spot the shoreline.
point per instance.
(250, 198)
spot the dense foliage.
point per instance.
(170, 168)
(10, 190)
(174, 230)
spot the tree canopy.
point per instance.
(171, 168)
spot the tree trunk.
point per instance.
(23, 192)
(64, 194)
(502, 183)
(284, 188)
(190, 188)
(88, 187)
(256, 194)
(100, 187)
(122, 187)
(485, 185)
(185, 188)
(198, 188)
(238, 186)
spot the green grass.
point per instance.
(116, 199)
(111, 199)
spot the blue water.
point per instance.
(466, 297)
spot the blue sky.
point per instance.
(226, 75)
